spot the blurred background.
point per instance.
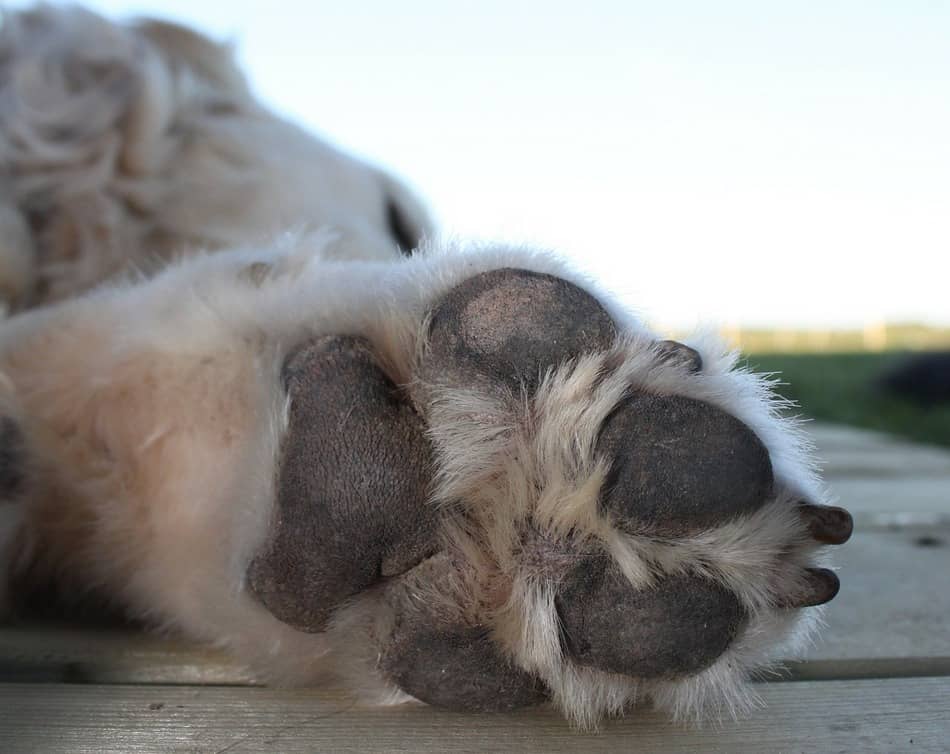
(780, 172)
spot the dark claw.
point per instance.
(819, 586)
(680, 354)
(827, 524)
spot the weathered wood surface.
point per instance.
(895, 596)
(839, 439)
(882, 480)
(878, 680)
(57, 653)
(844, 716)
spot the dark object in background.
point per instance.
(923, 378)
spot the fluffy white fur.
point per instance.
(152, 411)
(123, 147)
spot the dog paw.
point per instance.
(550, 507)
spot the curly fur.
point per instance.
(123, 147)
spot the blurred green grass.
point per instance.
(840, 387)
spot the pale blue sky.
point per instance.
(732, 162)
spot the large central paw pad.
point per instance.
(353, 486)
(711, 537)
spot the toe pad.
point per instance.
(509, 326)
(679, 465)
(676, 628)
(434, 653)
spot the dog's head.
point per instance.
(127, 145)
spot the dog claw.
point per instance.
(827, 524)
(818, 587)
(679, 354)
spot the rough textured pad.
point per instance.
(510, 326)
(446, 662)
(458, 668)
(353, 480)
(675, 629)
(679, 465)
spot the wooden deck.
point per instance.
(878, 681)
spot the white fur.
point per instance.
(126, 146)
(153, 411)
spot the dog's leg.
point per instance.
(468, 478)
(138, 444)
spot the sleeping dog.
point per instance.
(247, 396)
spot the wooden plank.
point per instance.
(890, 463)
(866, 716)
(51, 653)
(833, 437)
(890, 618)
(882, 480)
(849, 452)
(894, 601)
(876, 500)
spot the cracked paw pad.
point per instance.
(12, 459)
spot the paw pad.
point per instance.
(12, 459)
(352, 490)
(441, 658)
(509, 326)
(677, 627)
(679, 465)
